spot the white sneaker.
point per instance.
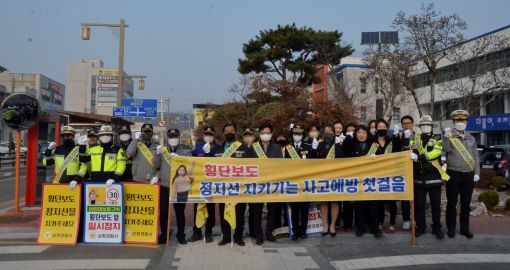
(406, 225)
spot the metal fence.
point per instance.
(9, 160)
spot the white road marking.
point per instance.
(19, 235)
(22, 249)
(76, 264)
(422, 259)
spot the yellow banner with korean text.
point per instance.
(60, 215)
(236, 180)
(141, 213)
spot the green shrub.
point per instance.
(507, 204)
(490, 198)
(498, 181)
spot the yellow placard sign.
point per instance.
(141, 213)
(226, 180)
(60, 215)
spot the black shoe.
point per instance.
(439, 234)
(377, 234)
(467, 234)
(260, 242)
(223, 242)
(270, 237)
(333, 234)
(419, 233)
(195, 237)
(360, 233)
(304, 236)
(325, 233)
(208, 238)
(240, 242)
(181, 240)
(451, 234)
(294, 237)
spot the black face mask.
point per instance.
(230, 137)
(382, 132)
(282, 143)
(147, 136)
(329, 137)
(68, 142)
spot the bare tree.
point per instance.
(430, 34)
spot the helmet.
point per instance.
(68, 130)
(425, 120)
(105, 130)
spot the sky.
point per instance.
(189, 49)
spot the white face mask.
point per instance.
(208, 139)
(372, 131)
(297, 138)
(460, 126)
(124, 137)
(426, 129)
(105, 139)
(266, 137)
(173, 141)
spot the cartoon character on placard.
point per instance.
(182, 183)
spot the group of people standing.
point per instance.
(143, 160)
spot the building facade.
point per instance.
(92, 88)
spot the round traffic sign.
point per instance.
(162, 123)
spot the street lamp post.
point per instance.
(85, 35)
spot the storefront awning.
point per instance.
(79, 117)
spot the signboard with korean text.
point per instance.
(492, 122)
(141, 213)
(103, 213)
(107, 84)
(137, 107)
(225, 180)
(60, 215)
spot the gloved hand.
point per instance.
(447, 131)
(173, 155)
(207, 148)
(51, 146)
(154, 180)
(396, 130)
(159, 149)
(350, 133)
(315, 144)
(138, 134)
(83, 140)
(413, 156)
(443, 158)
(407, 133)
(373, 155)
(109, 182)
(340, 139)
(72, 185)
(476, 178)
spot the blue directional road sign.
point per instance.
(137, 107)
(118, 111)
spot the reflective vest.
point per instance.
(106, 162)
(59, 158)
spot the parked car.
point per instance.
(4, 148)
(496, 158)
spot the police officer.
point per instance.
(92, 140)
(205, 149)
(143, 150)
(65, 157)
(125, 140)
(162, 163)
(107, 161)
(428, 175)
(298, 150)
(464, 170)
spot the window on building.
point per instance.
(376, 84)
(363, 83)
(497, 105)
(395, 87)
(396, 113)
(363, 114)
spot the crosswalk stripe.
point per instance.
(27, 235)
(76, 264)
(421, 259)
(22, 249)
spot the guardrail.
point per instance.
(9, 160)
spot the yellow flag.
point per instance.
(230, 214)
(202, 215)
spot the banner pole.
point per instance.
(18, 165)
(413, 229)
(169, 219)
